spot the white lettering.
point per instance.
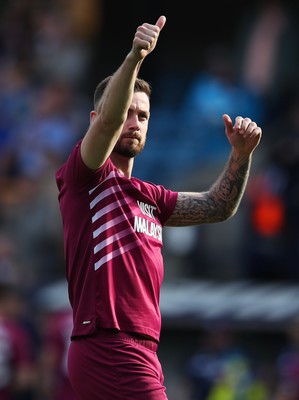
(148, 228)
(146, 209)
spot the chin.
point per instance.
(129, 152)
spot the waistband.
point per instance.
(150, 344)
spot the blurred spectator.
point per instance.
(272, 241)
(64, 32)
(268, 48)
(16, 101)
(53, 379)
(17, 363)
(215, 90)
(29, 206)
(58, 55)
(287, 383)
(284, 153)
(263, 233)
(86, 17)
(221, 370)
(16, 31)
(45, 137)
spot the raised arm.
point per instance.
(108, 119)
(222, 200)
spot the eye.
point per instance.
(143, 117)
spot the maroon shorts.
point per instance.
(115, 366)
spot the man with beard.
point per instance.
(112, 232)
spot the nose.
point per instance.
(133, 122)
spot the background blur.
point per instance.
(230, 296)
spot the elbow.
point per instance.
(230, 213)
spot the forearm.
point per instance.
(229, 188)
(220, 202)
(110, 115)
(119, 92)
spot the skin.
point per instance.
(118, 129)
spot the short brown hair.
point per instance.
(140, 86)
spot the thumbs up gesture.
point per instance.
(146, 37)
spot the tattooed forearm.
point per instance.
(219, 203)
(231, 184)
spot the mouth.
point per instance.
(131, 137)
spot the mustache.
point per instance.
(131, 135)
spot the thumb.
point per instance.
(227, 121)
(161, 21)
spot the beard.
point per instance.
(128, 150)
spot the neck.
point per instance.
(123, 164)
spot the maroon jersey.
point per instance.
(113, 241)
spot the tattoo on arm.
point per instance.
(217, 204)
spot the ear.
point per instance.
(93, 114)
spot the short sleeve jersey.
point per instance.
(113, 246)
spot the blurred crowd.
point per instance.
(44, 61)
(46, 75)
(224, 368)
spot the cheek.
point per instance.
(143, 135)
(143, 140)
(144, 128)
